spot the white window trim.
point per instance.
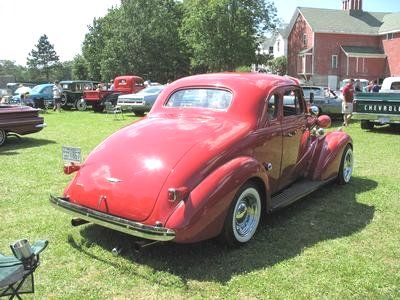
(334, 61)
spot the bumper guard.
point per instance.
(123, 225)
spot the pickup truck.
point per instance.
(19, 119)
(122, 85)
(379, 108)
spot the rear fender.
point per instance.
(327, 156)
(202, 215)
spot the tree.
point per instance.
(139, 37)
(8, 67)
(79, 68)
(279, 65)
(44, 58)
(224, 34)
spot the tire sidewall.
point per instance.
(229, 234)
(3, 136)
(341, 177)
(80, 105)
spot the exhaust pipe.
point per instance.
(139, 245)
(117, 250)
(77, 222)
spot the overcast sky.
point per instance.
(66, 22)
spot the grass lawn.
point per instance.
(340, 242)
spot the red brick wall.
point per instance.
(327, 45)
(295, 44)
(392, 50)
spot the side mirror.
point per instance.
(311, 97)
(314, 110)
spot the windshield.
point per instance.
(201, 98)
(37, 88)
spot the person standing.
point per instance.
(57, 91)
(347, 103)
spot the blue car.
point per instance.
(41, 96)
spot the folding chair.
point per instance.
(113, 109)
(16, 274)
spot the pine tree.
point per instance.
(44, 58)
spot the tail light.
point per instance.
(177, 194)
(71, 168)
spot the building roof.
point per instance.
(341, 21)
(391, 23)
(363, 51)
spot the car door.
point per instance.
(293, 122)
(268, 137)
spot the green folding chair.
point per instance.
(16, 272)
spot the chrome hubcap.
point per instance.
(246, 215)
(348, 165)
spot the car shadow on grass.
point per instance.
(15, 143)
(329, 213)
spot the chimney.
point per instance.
(354, 7)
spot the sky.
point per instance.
(66, 22)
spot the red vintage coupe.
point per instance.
(215, 153)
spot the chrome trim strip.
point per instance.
(43, 125)
(375, 116)
(123, 225)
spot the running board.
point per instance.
(294, 192)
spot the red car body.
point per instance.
(178, 173)
(128, 84)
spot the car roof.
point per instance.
(247, 88)
(78, 81)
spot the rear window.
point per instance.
(201, 98)
(395, 85)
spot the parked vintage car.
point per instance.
(16, 97)
(379, 108)
(215, 152)
(141, 102)
(41, 96)
(122, 85)
(19, 119)
(325, 99)
(72, 93)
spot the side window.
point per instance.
(292, 104)
(273, 107)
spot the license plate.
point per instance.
(71, 154)
(383, 120)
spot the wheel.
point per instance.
(80, 104)
(243, 216)
(139, 113)
(367, 124)
(346, 166)
(3, 136)
(98, 107)
(48, 104)
(64, 101)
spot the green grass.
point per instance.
(340, 242)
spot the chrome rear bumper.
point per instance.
(113, 222)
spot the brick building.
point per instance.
(328, 45)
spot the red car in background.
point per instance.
(128, 84)
(215, 152)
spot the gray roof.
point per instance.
(391, 23)
(363, 51)
(341, 21)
